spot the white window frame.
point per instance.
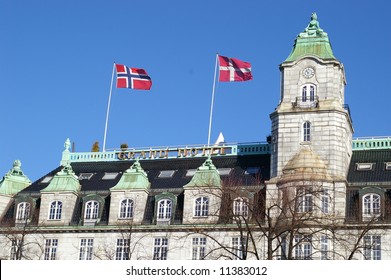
(23, 211)
(308, 93)
(372, 247)
(91, 211)
(164, 210)
(305, 200)
(55, 210)
(122, 249)
(238, 247)
(50, 249)
(201, 206)
(303, 247)
(16, 249)
(126, 209)
(198, 251)
(371, 205)
(160, 248)
(324, 247)
(240, 207)
(306, 131)
(325, 201)
(364, 166)
(86, 248)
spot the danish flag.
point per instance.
(134, 78)
(234, 70)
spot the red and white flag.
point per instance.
(234, 70)
(134, 78)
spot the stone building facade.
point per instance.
(309, 192)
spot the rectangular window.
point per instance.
(325, 201)
(198, 248)
(324, 247)
(122, 249)
(110, 175)
(160, 249)
(283, 248)
(85, 176)
(201, 208)
(166, 173)
(16, 250)
(50, 249)
(303, 247)
(364, 166)
(252, 170)
(46, 180)
(23, 212)
(190, 172)
(307, 132)
(224, 171)
(238, 247)
(372, 247)
(86, 246)
(241, 207)
(304, 200)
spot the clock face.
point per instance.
(308, 72)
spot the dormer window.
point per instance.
(224, 171)
(85, 176)
(126, 209)
(23, 212)
(91, 210)
(364, 166)
(371, 205)
(240, 207)
(164, 210)
(55, 210)
(166, 173)
(110, 176)
(201, 208)
(46, 180)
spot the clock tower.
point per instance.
(312, 117)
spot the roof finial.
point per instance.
(312, 28)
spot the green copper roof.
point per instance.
(133, 178)
(206, 175)
(312, 41)
(64, 181)
(14, 181)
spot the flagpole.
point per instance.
(108, 109)
(213, 96)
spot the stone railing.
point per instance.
(371, 143)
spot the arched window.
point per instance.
(91, 210)
(371, 204)
(201, 208)
(306, 131)
(23, 211)
(240, 207)
(164, 210)
(55, 210)
(126, 209)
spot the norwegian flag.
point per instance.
(134, 78)
(234, 70)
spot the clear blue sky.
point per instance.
(56, 60)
